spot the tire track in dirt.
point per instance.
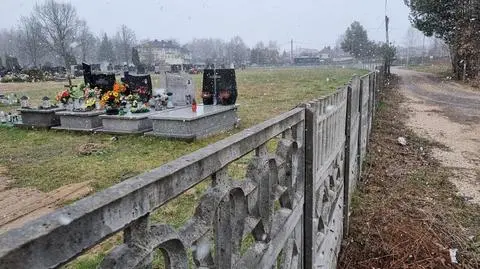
(448, 113)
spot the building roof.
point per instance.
(165, 44)
(169, 44)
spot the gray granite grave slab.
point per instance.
(181, 86)
(187, 125)
(136, 123)
(79, 121)
(39, 118)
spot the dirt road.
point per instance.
(448, 113)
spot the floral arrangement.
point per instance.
(141, 109)
(131, 97)
(74, 93)
(113, 98)
(142, 93)
(134, 104)
(92, 93)
(77, 92)
(90, 104)
(120, 88)
(63, 96)
(91, 96)
(134, 100)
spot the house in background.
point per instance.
(305, 56)
(161, 53)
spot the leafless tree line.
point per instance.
(54, 34)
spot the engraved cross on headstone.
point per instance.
(215, 76)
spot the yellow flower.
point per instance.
(90, 102)
(115, 94)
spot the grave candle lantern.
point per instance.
(24, 102)
(170, 101)
(3, 118)
(46, 102)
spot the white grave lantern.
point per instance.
(46, 102)
(3, 118)
(24, 102)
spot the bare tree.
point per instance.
(106, 51)
(237, 51)
(412, 39)
(208, 50)
(31, 41)
(86, 41)
(59, 25)
(124, 42)
(8, 43)
(147, 55)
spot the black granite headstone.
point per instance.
(226, 86)
(135, 83)
(102, 81)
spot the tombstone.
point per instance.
(221, 81)
(102, 81)
(182, 88)
(136, 83)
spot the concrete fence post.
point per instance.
(347, 166)
(311, 148)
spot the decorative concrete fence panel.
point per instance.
(325, 149)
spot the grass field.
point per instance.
(47, 160)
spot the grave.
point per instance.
(185, 124)
(39, 118)
(79, 121)
(134, 123)
(209, 118)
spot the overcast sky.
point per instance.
(311, 23)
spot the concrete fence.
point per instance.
(293, 204)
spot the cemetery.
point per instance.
(262, 94)
(102, 104)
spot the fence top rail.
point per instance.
(366, 75)
(109, 211)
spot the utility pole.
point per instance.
(423, 51)
(387, 20)
(291, 52)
